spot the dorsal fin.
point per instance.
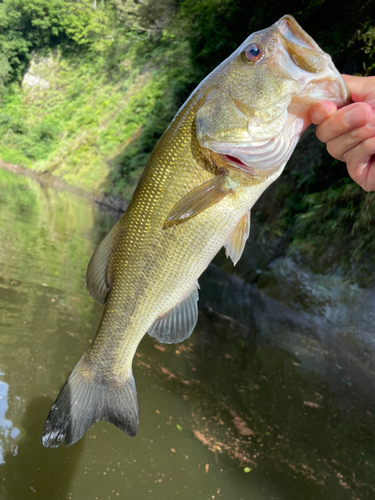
(178, 323)
(96, 276)
(234, 247)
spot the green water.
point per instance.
(223, 415)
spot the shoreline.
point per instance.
(48, 180)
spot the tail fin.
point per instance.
(87, 399)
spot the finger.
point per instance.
(361, 88)
(341, 145)
(344, 119)
(361, 164)
(322, 111)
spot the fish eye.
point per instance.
(253, 52)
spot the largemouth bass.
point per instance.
(226, 145)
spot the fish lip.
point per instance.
(338, 92)
(345, 96)
(290, 28)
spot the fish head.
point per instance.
(258, 107)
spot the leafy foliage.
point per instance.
(316, 199)
(109, 76)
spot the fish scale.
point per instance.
(193, 197)
(167, 254)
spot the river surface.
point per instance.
(230, 413)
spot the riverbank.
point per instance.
(48, 180)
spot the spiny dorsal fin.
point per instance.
(178, 323)
(234, 247)
(197, 200)
(96, 276)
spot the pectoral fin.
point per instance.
(178, 323)
(96, 276)
(236, 243)
(197, 200)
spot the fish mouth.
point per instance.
(290, 29)
(306, 54)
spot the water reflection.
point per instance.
(33, 472)
(8, 433)
(254, 406)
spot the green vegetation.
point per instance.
(76, 137)
(98, 96)
(104, 78)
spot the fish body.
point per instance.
(227, 144)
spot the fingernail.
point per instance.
(356, 116)
(320, 114)
(322, 111)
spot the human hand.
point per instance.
(349, 132)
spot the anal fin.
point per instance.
(96, 276)
(197, 200)
(234, 247)
(178, 323)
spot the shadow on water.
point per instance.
(37, 472)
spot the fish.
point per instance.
(228, 142)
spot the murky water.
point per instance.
(230, 413)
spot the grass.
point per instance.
(79, 124)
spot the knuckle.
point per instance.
(353, 136)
